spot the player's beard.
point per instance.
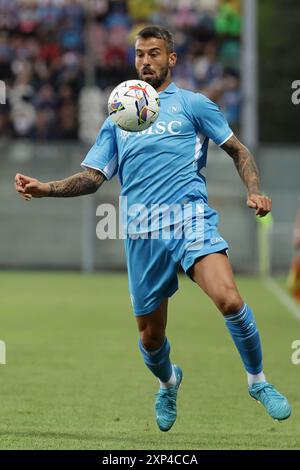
(156, 80)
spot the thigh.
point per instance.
(152, 274)
(213, 273)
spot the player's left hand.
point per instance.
(261, 203)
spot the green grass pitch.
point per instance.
(74, 377)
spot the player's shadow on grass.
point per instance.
(142, 442)
(56, 435)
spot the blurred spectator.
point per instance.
(45, 124)
(49, 50)
(228, 20)
(67, 120)
(45, 98)
(293, 281)
(6, 129)
(231, 97)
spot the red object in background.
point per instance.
(114, 57)
(49, 52)
(294, 278)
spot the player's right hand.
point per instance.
(30, 187)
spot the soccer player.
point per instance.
(164, 165)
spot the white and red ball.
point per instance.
(133, 105)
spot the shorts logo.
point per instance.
(215, 240)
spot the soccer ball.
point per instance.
(133, 105)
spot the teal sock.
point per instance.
(158, 361)
(243, 330)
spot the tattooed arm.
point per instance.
(86, 182)
(247, 169)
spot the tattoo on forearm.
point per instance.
(80, 184)
(244, 162)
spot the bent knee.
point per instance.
(152, 340)
(229, 301)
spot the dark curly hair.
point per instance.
(159, 33)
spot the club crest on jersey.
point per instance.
(174, 108)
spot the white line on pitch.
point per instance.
(282, 296)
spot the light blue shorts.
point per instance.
(153, 264)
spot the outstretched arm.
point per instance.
(247, 169)
(86, 182)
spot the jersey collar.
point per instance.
(172, 88)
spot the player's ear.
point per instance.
(172, 59)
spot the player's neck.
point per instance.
(164, 85)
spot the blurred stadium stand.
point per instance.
(60, 59)
(46, 47)
(279, 66)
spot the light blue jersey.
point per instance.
(163, 165)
